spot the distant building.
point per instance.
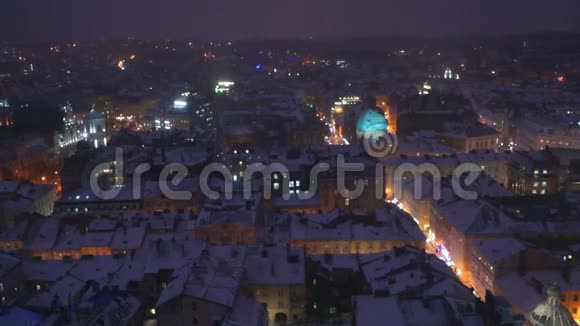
(534, 173)
(6, 113)
(95, 130)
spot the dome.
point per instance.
(551, 312)
(372, 120)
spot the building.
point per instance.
(492, 259)
(276, 277)
(230, 222)
(207, 291)
(354, 233)
(6, 113)
(551, 312)
(11, 279)
(534, 173)
(95, 131)
(471, 137)
(17, 197)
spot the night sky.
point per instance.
(266, 19)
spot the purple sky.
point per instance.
(242, 19)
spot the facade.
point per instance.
(534, 173)
(341, 233)
(95, 129)
(276, 277)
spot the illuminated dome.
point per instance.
(373, 120)
(551, 312)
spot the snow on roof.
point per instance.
(375, 311)
(165, 251)
(333, 262)
(97, 239)
(211, 277)
(43, 233)
(62, 290)
(70, 238)
(20, 316)
(128, 237)
(403, 269)
(271, 265)
(425, 312)
(474, 216)
(7, 264)
(385, 223)
(97, 268)
(45, 270)
(495, 250)
(520, 292)
(16, 232)
(102, 224)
